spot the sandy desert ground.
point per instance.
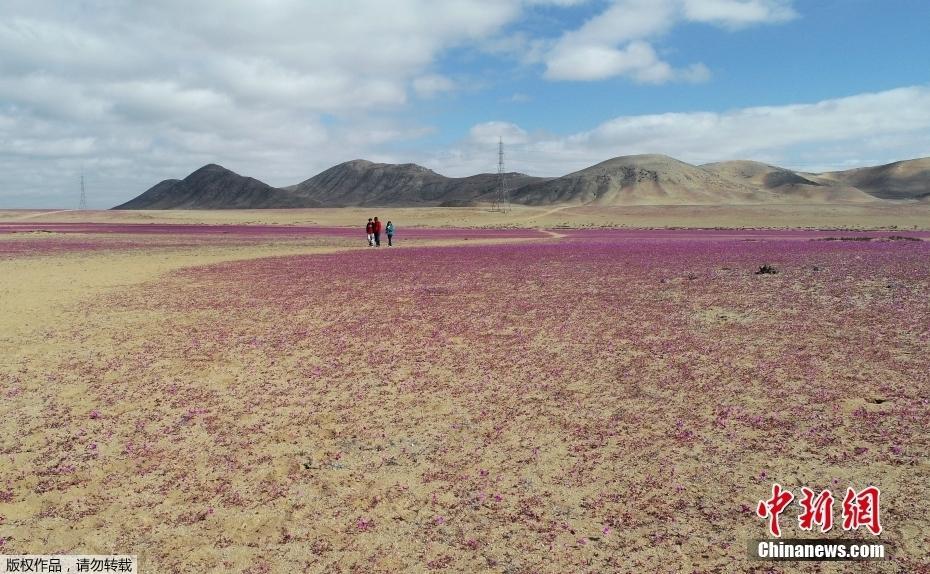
(883, 215)
(256, 399)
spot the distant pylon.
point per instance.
(82, 204)
(501, 201)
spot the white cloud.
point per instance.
(278, 89)
(490, 132)
(34, 42)
(47, 148)
(563, 3)
(625, 20)
(136, 92)
(883, 126)
(54, 97)
(160, 98)
(595, 62)
(432, 84)
(614, 43)
(695, 73)
(736, 13)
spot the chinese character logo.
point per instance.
(860, 509)
(817, 511)
(773, 507)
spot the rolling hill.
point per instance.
(363, 183)
(638, 179)
(628, 180)
(908, 179)
(214, 187)
(784, 185)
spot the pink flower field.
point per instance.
(570, 401)
(19, 239)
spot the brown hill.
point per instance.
(627, 180)
(639, 180)
(783, 185)
(215, 187)
(908, 179)
(757, 173)
(363, 183)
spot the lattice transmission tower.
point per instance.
(501, 201)
(82, 204)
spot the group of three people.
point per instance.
(373, 229)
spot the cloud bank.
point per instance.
(864, 129)
(134, 92)
(614, 43)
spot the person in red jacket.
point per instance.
(370, 231)
(377, 231)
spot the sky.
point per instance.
(133, 92)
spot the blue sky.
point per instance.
(131, 93)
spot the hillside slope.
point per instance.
(627, 180)
(784, 185)
(638, 179)
(215, 187)
(908, 179)
(364, 183)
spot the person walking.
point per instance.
(389, 229)
(370, 231)
(377, 231)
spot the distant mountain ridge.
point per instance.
(634, 180)
(783, 185)
(214, 187)
(363, 183)
(906, 179)
(649, 179)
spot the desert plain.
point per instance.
(568, 389)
